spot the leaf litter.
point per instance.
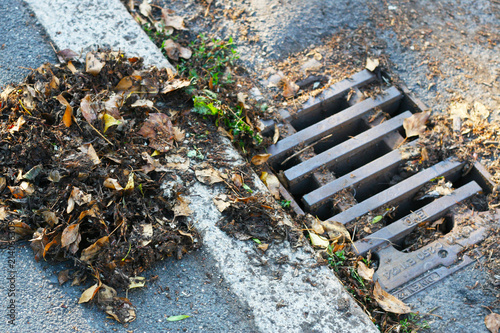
(80, 188)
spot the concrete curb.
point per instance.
(314, 300)
(84, 25)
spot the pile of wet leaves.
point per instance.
(90, 171)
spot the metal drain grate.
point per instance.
(341, 142)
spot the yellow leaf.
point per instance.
(110, 121)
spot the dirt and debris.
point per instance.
(84, 151)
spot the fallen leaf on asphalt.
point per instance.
(290, 89)
(388, 302)
(415, 125)
(263, 247)
(492, 322)
(260, 159)
(66, 54)
(63, 277)
(172, 21)
(20, 228)
(177, 318)
(316, 225)
(208, 176)
(92, 64)
(365, 272)
(136, 282)
(372, 64)
(68, 114)
(88, 294)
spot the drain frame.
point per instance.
(309, 181)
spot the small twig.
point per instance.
(303, 149)
(208, 7)
(95, 129)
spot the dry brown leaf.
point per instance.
(69, 234)
(66, 54)
(17, 126)
(336, 231)
(365, 272)
(263, 247)
(276, 135)
(388, 302)
(88, 294)
(146, 231)
(179, 134)
(172, 21)
(175, 50)
(290, 89)
(90, 252)
(221, 202)
(208, 176)
(237, 179)
(158, 124)
(80, 197)
(174, 85)
(23, 190)
(20, 228)
(272, 183)
(92, 64)
(260, 159)
(146, 103)
(113, 184)
(415, 125)
(316, 226)
(88, 110)
(68, 114)
(145, 8)
(63, 277)
(177, 162)
(318, 241)
(89, 150)
(120, 309)
(128, 82)
(181, 208)
(492, 322)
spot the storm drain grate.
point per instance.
(344, 141)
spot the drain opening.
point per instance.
(345, 159)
